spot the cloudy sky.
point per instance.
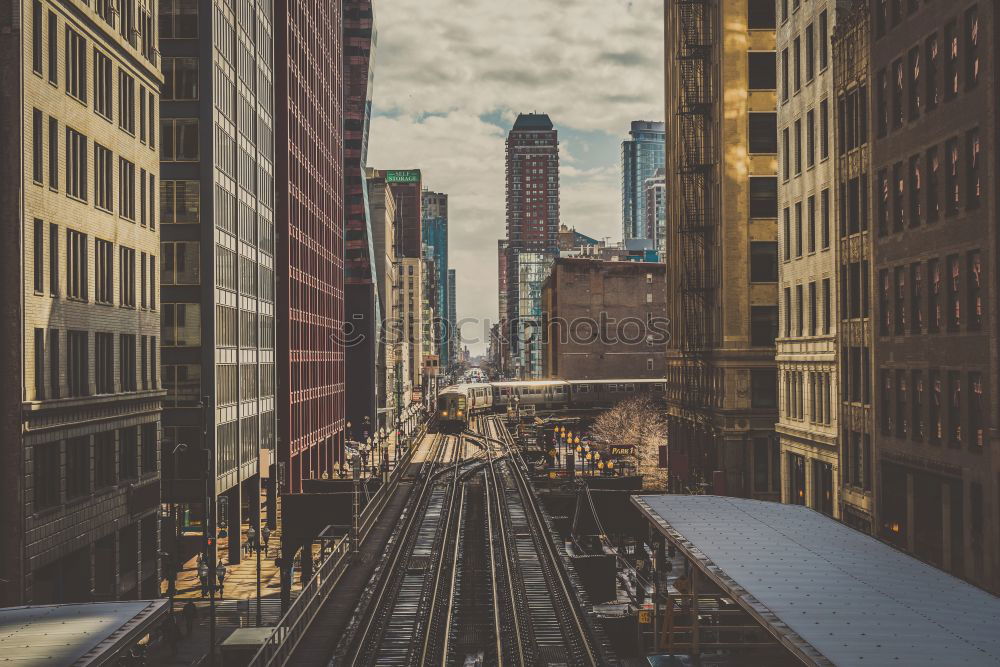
(451, 77)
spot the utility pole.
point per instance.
(210, 531)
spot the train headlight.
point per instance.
(444, 413)
(459, 413)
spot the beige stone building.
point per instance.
(806, 349)
(411, 309)
(81, 321)
(721, 212)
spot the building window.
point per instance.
(954, 292)
(810, 138)
(76, 164)
(971, 47)
(933, 171)
(104, 363)
(180, 78)
(824, 129)
(126, 277)
(126, 101)
(39, 364)
(951, 61)
(973, 169)
(126, 189)
(181, 263)
(763, 261)
(824, 40)
(763, 388)
(227, 384)
(898, 197)
(761, 14)
(179, 139)
(126, 362)
(824, 200)
(763, 131)
(763, 197)
(37, 147)
(899, 303)
(799, 312)
(180, 202)
(784, 75)
(935, 316)
(103, 271)
(152, 282)
(813, 310)
(810, 53)
(104, 459)
(103, 178)
(38, 256)
(128, 453)
(827, 305)
(797, 64)
(916, 298)
(181, 324)
(54, 367)
(762, 70)
(786, 155)
(182, 383)
(144, 361)
(881, 102)
(76, 65)
(763, 326)
(977, 408)
(811, 223)
(974, 286)
(931, 63)
(78, 363)
(178, 19)
(916, 194)
(53, 153)
(36, 36)
(897, 94)
(76, 265)
(951, 181)
(918, 427)
(103, 85)
(45, 475)
(788, 233)
(798, 229)
(798, 147)
(913, 66)
(150, 449)
(955, 409)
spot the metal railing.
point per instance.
(281, 644)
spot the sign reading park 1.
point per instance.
(622, 450)
(402, 176)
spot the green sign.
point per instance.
(405, 176)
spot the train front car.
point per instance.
(452, 415)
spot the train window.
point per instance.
(630, 387)
(658, 387)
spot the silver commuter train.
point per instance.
(458, 402)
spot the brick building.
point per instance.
(309, 112)
(80, 427)
(621, 299)
(934, 264)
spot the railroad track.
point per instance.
(473, 576)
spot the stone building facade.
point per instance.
(80, 431)
(598, 319)
(721, 202)
(807, 206)
(935, 265)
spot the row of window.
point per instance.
(75, 76)
(803, 62)
(933, 296)
(916, 192)
(77, 169)
(77, 269)
(934, 405)
(817, 323)
(911, 84)
(820, 396)
(74, 468)
(805, 229)
(243, 328)
(70, 375)
(791, 141)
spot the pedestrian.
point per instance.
(203, 577)
(220, 572)
(265, 533)
(190, 615)
(251, 539)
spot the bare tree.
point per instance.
(635, 422)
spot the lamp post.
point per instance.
(176, 564)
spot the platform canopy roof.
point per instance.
(829, 593)
(90, 633)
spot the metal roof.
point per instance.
(829, 593)
(74, 634)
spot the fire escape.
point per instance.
(699, 216)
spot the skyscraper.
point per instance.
(362, 312)
(311, 249)
(452, 320)
(654, 219)
(532, 205)
(435, 236)
(642, 155)
(79, 432)
(218, 247)
(722, 388)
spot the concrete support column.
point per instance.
(235, 524)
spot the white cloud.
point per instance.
(592, 65)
